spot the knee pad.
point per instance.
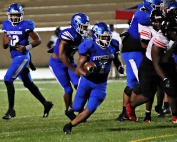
(137, 89)
(128, 91)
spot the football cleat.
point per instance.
(67, 129)
(122, 117)
(9, 115)
(70, 114)
(47, 109)
(167, 110)
(174, 119)
(147, 118)
(159, 111)
(130, 112)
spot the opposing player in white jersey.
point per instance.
(155, 71)
(146, 33)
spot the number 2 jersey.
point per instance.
(19, 34)
(102, 57)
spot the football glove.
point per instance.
(166, 83)
(120, 69)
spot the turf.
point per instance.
(29, 126)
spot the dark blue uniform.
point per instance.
(63, 74)
(132, 51)
(19, 35)
(94, 88)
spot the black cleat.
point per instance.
(159, 111)
(122, 117)
(9, 115)
(47, 109)
(167, 110)
(67, 129)
(70, 114)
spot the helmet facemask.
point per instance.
(82, 28)
(103, 39)
(15, 18)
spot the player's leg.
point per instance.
(158, 107)
(148, 89)
(62, 76)
(16, 67)
(29, 84)
(166, 107)
(96, 97)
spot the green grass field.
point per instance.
(29, 126)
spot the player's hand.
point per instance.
(91, 71)
(120, 69)
(7, 40)
(21, 48)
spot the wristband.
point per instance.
(28, 47)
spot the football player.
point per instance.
(62, 63)
(102, 51)
(16, 36)
(132, 51)
(157, 69)
(146, 33)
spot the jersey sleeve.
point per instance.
(143, 18)
(144, 31)
(160, 41)
(84, 47)
(30, 25)
(67, 35)
(114, 43)
(4, 26)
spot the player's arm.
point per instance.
(35, 37)
(80, 63)
(118, 64)
(63, 49)
(6, 40)
(144, 34)
(156, 54)
(36, 41)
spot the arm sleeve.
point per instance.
(160, 41)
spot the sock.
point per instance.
(174, 114)
(70, 125)
(35, 91)
(10, 93)
(166, 105)
(123, 109)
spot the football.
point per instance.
(88, 65)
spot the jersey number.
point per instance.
(14, 40)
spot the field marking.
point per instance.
(150, 138)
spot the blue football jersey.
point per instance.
(73, 38)
(18, 33)
(102, 57)
(141, 16)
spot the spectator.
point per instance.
(53, 38)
